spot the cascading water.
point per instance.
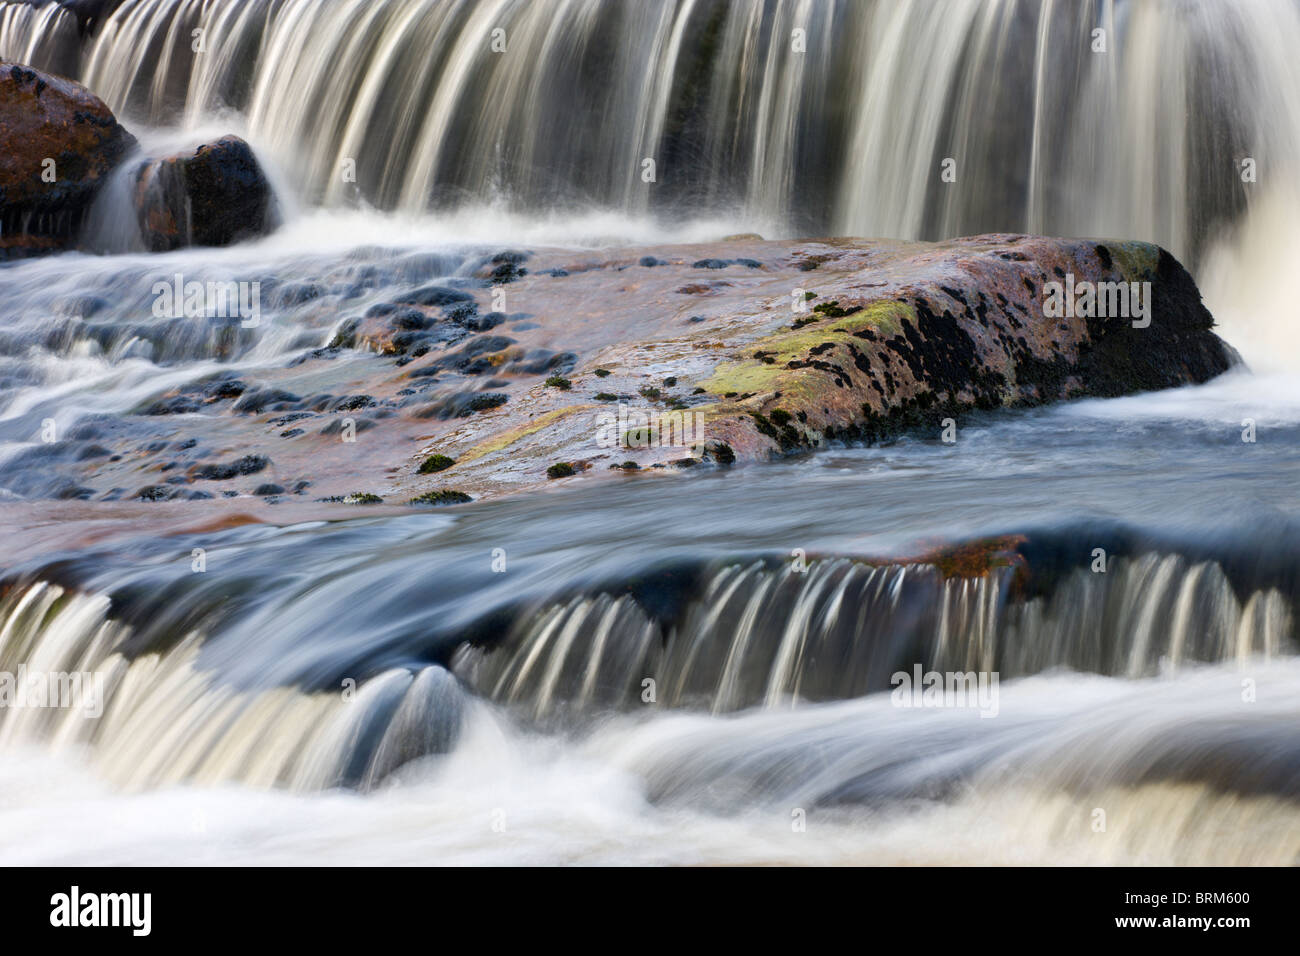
(324, 688)
(787, 116)
(822, 118)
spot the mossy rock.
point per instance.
(561, 469)
(436, 463)
(442, 497)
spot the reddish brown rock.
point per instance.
(58, 143)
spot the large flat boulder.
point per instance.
(522, 370)
(924, 333)
(58, 143)
(753, 350)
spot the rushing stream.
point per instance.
(470, 685)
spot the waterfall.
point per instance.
(792, 115)
(755, 636)
(764, 637)
(159, 718)
(41, 35)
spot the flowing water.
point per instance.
(377, 689)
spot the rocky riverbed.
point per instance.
(383, 374)
(397, 375)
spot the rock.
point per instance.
(966, 326)
(896, 337)
(214, 196)
(58, 144)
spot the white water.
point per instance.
(510, 798)
(1141, 141)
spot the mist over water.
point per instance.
(224, 738)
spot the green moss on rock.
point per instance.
(442, 497)
(436, 463)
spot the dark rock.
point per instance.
(434, 295)
(248, 465)
(214, 196)
(267, 399)
(462, 405)
(541, 361)
(349, 403)
(505, 267)
(177, 405)
(226, 388)
(295, 293)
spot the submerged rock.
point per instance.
(58, 143)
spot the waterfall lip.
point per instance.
(660, 613)
(664, 584)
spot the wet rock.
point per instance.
(434, 295)
(349, 403)
(248, 465)
(484, 323)
(359, 425)
(480, 354)
(224, 389)
(542, 361)
(155, 493)
(267, 399)
(215, 195)
(293, 294)
(463, 405)
(176, 405)
(58, 143)
(403, 320)
(74, 493)
(505, 267)
(963, 327)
